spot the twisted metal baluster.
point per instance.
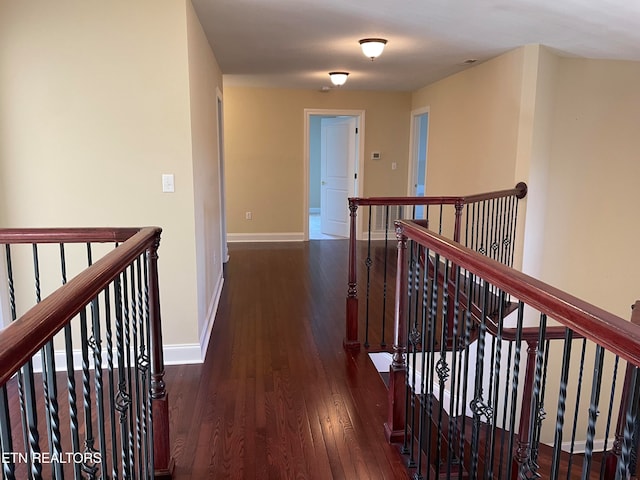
(97, 376)
(123, 398)
(129, 366)
(21, 386)
(610, 413)
(111, 381)
(495, 384)
(410, 405)
(49, 385)
(71, 379)
(577, 409)
(515, 380)
(562, 402)
(628, 447)
(147, 378)
(6, 441)
(85, 342)
(368, 263)
(384, 275)
(593, 410)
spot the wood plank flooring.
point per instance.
(277, 396)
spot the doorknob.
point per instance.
(323, 182)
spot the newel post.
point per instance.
(162, 461)
(351, 335)
(522, 455)
(394, 428)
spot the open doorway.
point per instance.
(334, 142)
(418, 161)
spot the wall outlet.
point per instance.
(248, 215)
(394, 165)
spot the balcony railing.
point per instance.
(531, 388)
(82, 393)
(484, 222)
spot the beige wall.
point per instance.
(473, 127)
(264, 146)
(95, 105)
(590, 231)
(205, 79)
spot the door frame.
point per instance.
(359, 167)
(413, 147)
(224, 249)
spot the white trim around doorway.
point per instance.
(308, 112)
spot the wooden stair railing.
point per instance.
(115, 424)
(499, 386)
(484, 222)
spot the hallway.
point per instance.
(277, 396)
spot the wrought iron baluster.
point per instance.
(505, 410)
(514, 221)
(515, 380)
(411, 392)
(496, 361)
(423, 338)
(624, 469)
(536, 411)
(432, 314)
(128, 368)
(452, 457)
(593, 410)
(562, 402)
(49, 388)
(96, 344)
(577, 409)
(145, 367)
(368, 263)
(71, 378)
(383, 343)
(609, 414)
(6, 440)
(112, 395)
(123, 398)
(21, 383)
(85, 343)
(441, 367)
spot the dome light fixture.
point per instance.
(372, 47)
(338, 78)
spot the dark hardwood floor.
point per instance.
(277, 396)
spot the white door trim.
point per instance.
(224, 251)
(308, 112)
(412, 147)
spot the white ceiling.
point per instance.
(295, 43)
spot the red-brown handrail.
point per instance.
(351, 340)
(608, 330)
(24, 337)
(587, 321)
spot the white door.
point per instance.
(337, 173)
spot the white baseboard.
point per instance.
(205, 335)
(173, 355)
(265, 237)
(580, 446)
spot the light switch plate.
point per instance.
(168, 184)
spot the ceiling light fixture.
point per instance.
(372, 47)
(338, 78)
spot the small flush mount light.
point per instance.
(372, 47)
(338, 78)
